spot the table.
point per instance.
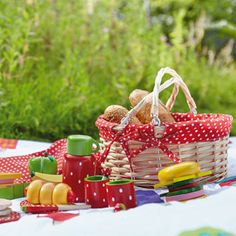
(217, 210)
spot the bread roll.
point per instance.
(144, 114)
(115, 113)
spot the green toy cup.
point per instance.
(81, 145)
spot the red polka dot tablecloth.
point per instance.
(20, 163)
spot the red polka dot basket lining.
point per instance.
(140, 151)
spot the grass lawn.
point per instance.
(63, 62)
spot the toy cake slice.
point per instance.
(9, 176)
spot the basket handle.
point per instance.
(175, 79)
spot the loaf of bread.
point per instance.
(115, 113)
(144, 114)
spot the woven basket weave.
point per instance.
(207, 143)
(210, 155)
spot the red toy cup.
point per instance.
(95, 191)
(121, 191)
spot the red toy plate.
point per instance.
(14, 216)
(27, 207)
(186, 196)
(194, 184)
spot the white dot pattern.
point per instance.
(210, 127)
(20, 163)
(188, 128)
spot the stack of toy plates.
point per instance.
(183, 180)
(9, 189)
(184, 190)
(6, 214)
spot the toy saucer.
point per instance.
(5, 212)
(4, 203)
(186, 196)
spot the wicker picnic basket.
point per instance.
(140, 151)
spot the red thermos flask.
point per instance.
(79, 163)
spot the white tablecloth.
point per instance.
(217, 210)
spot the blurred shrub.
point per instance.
(63, 62)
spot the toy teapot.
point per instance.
(79, 162)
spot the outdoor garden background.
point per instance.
(62, 62)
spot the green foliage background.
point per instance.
(63, 62)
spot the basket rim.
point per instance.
(101, 122)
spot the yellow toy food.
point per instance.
(60, 193)
(4, 176)
(39, 192)
(46, 192)
(180, 172)
(33, 191)
(48, 177)
(185, 168)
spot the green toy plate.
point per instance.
(188, 190)
(194, 184)
(181, 183)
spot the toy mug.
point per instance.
(121, 191)
(95, 191)
(79, 163)
(81, 145)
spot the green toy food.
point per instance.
(45, 164)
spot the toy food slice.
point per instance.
(179, 173)
(10, 176)
(39, 192)
(197, 175)
(45, 196)
(62, 194)
(33, 191)
(6, 181)
(48, 177)
(44, 164)
(185, 168)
